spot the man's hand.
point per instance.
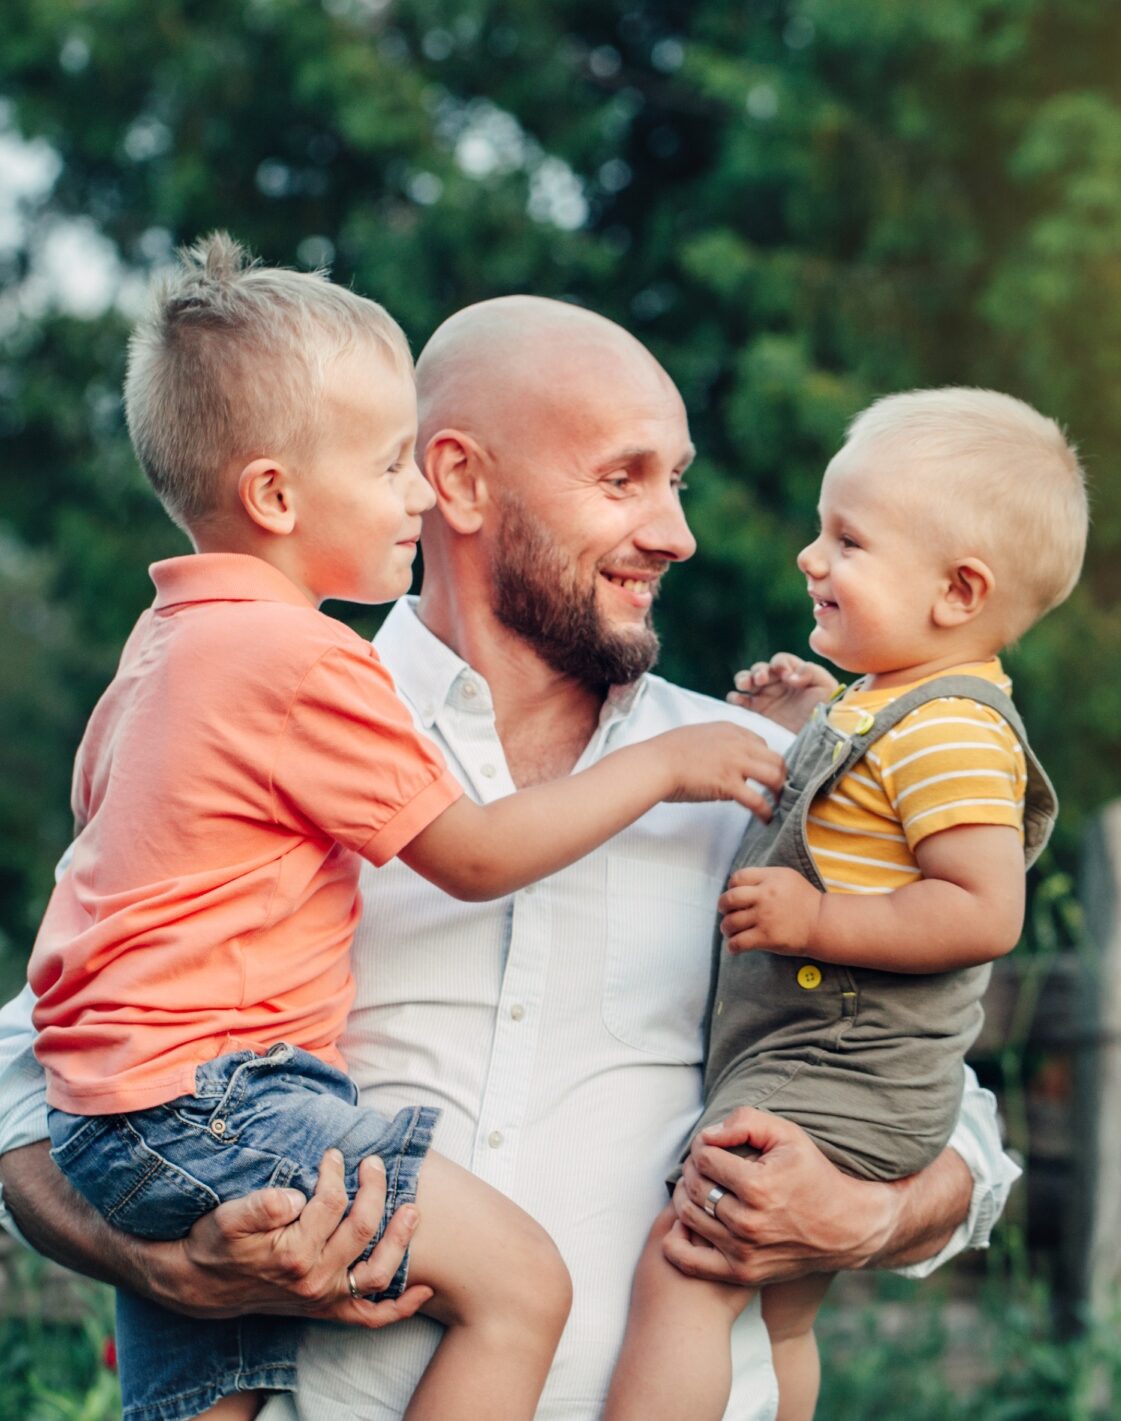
(270, 1252)
(772, 908)
(273, 1253)
(790, 1212)
(785, 689)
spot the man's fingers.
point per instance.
(261, 1212)
(693, 1256)
(327, 1205)
(389, 1310)
(352, 1235)
(375, 1273)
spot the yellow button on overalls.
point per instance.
(809, 977)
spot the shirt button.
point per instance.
(488, 770)
(470, 689)
(517, 1011)
(809, 977)
(494, 1139)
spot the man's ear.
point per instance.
(265, 490)
(454, 464)
(966, 592)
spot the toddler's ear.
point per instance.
(967, 590)
(265, 492)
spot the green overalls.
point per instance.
(869, 1063)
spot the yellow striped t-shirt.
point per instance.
(951, 762)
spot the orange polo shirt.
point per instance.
(247, 752)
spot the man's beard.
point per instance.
(538, 597)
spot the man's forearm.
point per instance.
(930, 1206)
(58, 1222)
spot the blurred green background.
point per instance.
(797, 204)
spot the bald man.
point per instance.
(560, 1030)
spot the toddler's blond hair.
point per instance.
(1005, 485)
(229, 362)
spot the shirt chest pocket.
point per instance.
(660, 924)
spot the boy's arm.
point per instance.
(475, 851)
(967, 908)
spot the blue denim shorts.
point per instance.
(253, 1122)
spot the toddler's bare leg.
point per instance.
(501, 1289)
(789, 1310)
(676, 1359)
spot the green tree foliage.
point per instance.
(798, 204)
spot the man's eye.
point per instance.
(620, 481)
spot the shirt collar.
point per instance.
(429, 673)
(221, 577)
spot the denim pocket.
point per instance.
(130, 1184)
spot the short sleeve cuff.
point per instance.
(412, 819)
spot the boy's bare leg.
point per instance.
(677, 1356)
(238, 1406)
(502, 1290)
(789, 1310)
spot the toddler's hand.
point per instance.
(771, 908)
(784, 689)
(718, 760)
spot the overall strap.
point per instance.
(1041, 803)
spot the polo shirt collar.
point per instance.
(221, 577)
(427, 671)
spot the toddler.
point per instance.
(192, 967)
(861, 921)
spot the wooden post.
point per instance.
(1095, 1232)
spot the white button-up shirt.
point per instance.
(560, 1031)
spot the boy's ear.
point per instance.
(264, 488)
(966, 592)
(454, 464)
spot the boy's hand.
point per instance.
(771, 908)
(717, 761)
(784, 689)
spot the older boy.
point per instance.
(192, 969)
(892, 871)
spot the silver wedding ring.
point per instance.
(712, 1198)
(352, 1286)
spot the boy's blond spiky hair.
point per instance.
(1004, 483)
(228, 363)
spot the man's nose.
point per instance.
(666, 533)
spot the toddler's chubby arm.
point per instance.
(967, 908)
(479, 851)
(785, 689)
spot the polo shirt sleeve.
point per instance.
(350, 762)
(951, 763)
